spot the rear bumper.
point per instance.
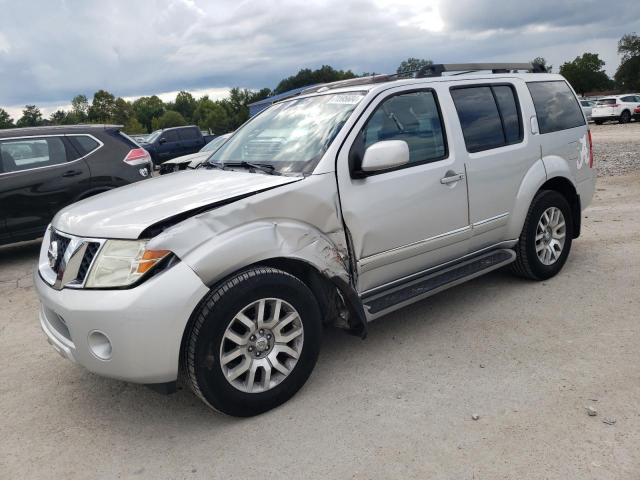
(144, 324)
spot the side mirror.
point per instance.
(162, 140)
(385, 155)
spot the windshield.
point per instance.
(292, 135)
(152, 137)
(214, 144)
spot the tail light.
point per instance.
(137, 156)
(636, 110)
(590, 149)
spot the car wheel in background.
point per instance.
(253, 342)
(545, 240)
(625, 117)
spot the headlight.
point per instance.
(121, 263)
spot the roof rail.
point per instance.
(433, 70)
(437, 69)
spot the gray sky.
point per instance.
(51, 50)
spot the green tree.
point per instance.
(146, 108)
(185, 105)
(102, 107)
(5, 119)
(80, 108)
(412, 64)
(122, 111)
(217, 119)
(628, 74)
(586, 73)
(306, 77)
(31, 117)
(58, 117)
(133, 126)
(171, 118)
(543, 62)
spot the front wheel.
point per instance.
(254, 342)
(545, 240)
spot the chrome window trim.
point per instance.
(100, 145)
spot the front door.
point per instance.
(408, 219)
(37, 179)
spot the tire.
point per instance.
(625, 117)
(528, 264)
(598, 122)
(215, 321)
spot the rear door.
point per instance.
(497, 150)
(39, 176)
(192, 140)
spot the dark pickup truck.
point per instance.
(174, 142)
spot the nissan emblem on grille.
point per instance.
(52, 253)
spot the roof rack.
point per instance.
(433, 70)
(436, 70)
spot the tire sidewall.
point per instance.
(213, 385)
(544, 201)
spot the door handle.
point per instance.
(451, 178)
(72, 173)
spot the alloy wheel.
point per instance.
(551, 233)
(261, 345)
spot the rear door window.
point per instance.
(27, 153)
(556, 106)
(607, 101)
(489, 116)
(189, 134)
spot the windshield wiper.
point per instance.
(263, 167)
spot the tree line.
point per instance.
(585, 73)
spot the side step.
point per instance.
(381, 303)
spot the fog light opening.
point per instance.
(100, 345)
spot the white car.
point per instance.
(193, 160)
(587, 107)
(620, 107)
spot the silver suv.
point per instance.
(335, 206)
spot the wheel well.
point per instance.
(564, 187)
(339, 304)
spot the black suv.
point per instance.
(43, 169)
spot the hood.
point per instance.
(199, 156)
(127, 211)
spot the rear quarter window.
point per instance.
(83, 144)
(556, 106)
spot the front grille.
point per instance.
(87, 259)
(63, 243)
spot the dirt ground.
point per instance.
(527, 358)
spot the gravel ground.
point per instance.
(527, 358)
(616, 148)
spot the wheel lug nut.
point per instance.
(269, 336)
(257, 354)
(261, 331)
(252, 338)
(251, 349)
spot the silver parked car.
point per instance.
(336, 206)
(194, 160)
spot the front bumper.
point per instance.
(144, 324)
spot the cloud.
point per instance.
(53, 50)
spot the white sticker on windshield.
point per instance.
(344, 99)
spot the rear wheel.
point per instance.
(545, 240)
(254, 342)
(625, 117)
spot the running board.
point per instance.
(398, 296)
